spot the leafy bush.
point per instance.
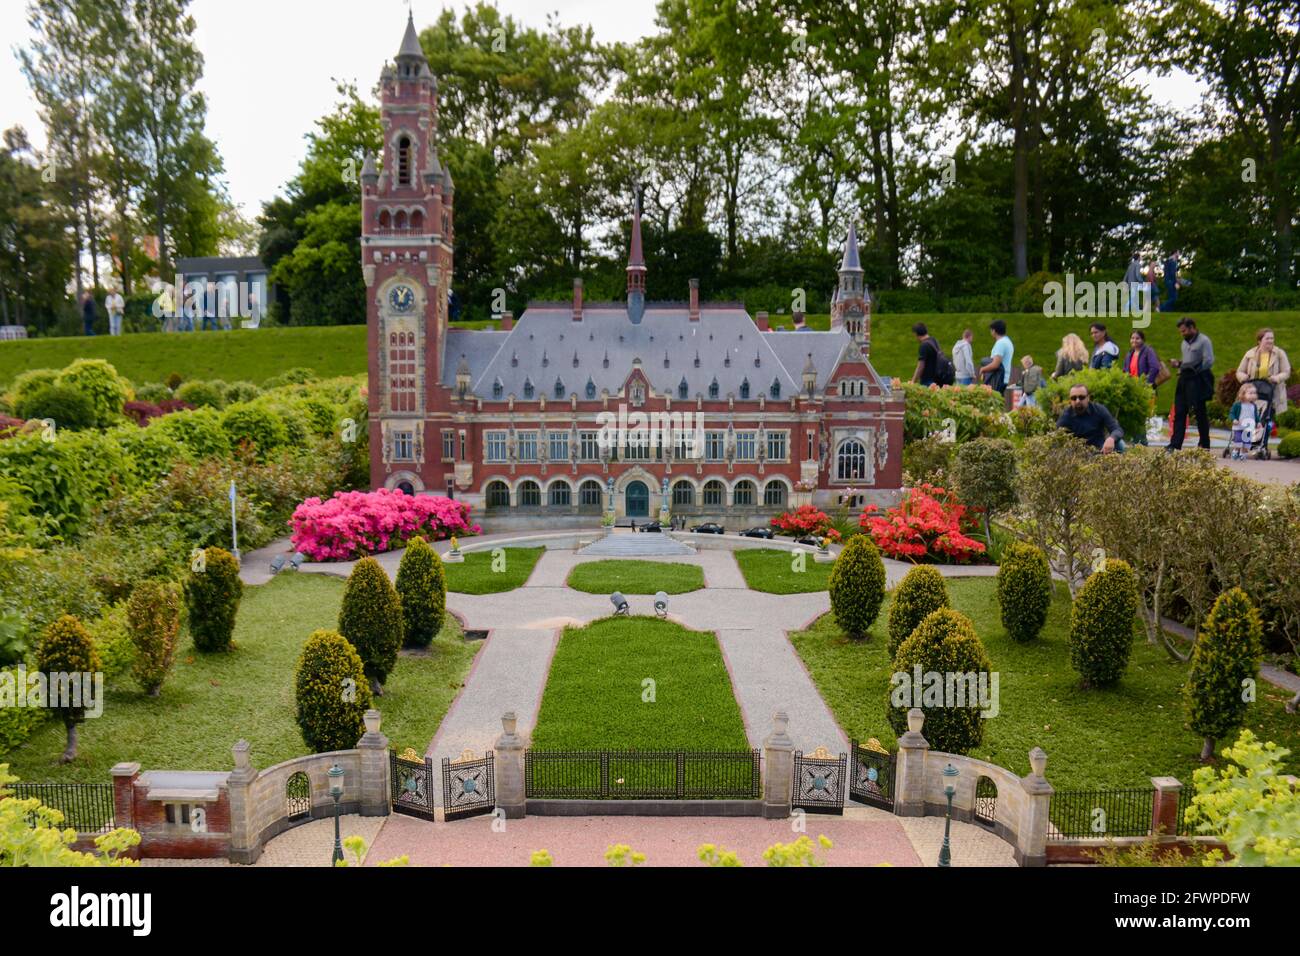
(422, 587)
(919, 594)
(240, 392)
(174, 381)
(54, 476)
(371, 620)
(153, 616)
(152, 451)
(18, 723)
(297, 426)
(322, 416)
(257, 424)
(984, 476)
(1030, 420)
(1289, 447)
(857, 586)
(200, 431)
(1226, 656)
(1101, 625)
(976, 410)
(30, 381)
(1024, 591)
(112, 641)
(1225, 390)
(943, 644)
(354, 523)
(1054, 483)
(67, 649)
(202, 394)
(331, 693)
(926, 461)
(928, 524)
(70, 409)
(212, 595)
(1289, 419)
(1128, 397)
(293, 376)
(155, 393)
(103, 387)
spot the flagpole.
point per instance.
(234, 531)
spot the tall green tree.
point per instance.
(36, 246)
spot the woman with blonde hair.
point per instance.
(1266, 362)
(1071, 356)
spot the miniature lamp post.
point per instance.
(335, 773)
(949, 788)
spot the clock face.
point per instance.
(401, 298)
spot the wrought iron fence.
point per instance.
(642, 775)
(1182, 827)
(86, 807)
(1088, 814)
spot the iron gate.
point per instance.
(819, 781)
(872, 782)
(986, 801)
(412, 779)
(468, 788)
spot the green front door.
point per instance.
(638, 500)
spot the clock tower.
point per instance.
(407, 240)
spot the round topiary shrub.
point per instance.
(202, 394)
(67, 648)
(153, 393)
(99, 382)
(943, 669)
(296, 424)
(153, 621)
(257, 424)
(68, 408)
(857, 586)
(240, 392)
(292, 376)
(919, 594)
(200, 431)
(1289, 447)
(371, 620)
(331, 693)
(32, 380)
(212, 595)
(422, 587)
(1024, 591)
(1226, 657)
(1101, 625)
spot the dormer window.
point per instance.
(683, 390)
(776, 388)
(744, 388)
(713, 389)
(591, 388)
(404, 160)
(697, 359)
(528, 388)
(559, 388)
(498, 390)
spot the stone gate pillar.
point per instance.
(376, 781)
(909, 774)
(778, 769)
(1031, 835)
(245, 842)
(508, 768)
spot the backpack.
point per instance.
(945, 373)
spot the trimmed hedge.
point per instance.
(98, 380)
(202, 394)
(371, 620)
(1101, 625)
(330, 693)
(919, 594)
(1226, 656)
(857, 586)
(68, 408)
(257, 424)
(422, 587)
(153, 616)
(1024, 591)
(212, 596)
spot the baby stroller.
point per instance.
(1264, 424)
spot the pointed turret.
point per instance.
(369, 170)
(851, 262)
(636, 266)
(411, 49)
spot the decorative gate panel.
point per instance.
(872, 782)
(819, 781)
(412, 789)
(986, 801)
(467, 786)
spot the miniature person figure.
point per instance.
(1247, 412)
(1032, 381)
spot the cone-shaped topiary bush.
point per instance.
(857, 586)
(1101, 624)
(153, 621)
(423, 589)
(1225, 659)
(371, 620)
(212, 595)
(331, 692)
(918, 594)
(943, 669)
(67, 649)
(1024, 591)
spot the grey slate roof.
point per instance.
(851, 261)
(546, 341)
(411, 40)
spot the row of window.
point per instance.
(590, 494)
(495, 448)
(683, 389)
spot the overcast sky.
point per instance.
(270, 66)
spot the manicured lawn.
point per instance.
(595, 696)
(636, 577)
(475, 575)
(212, 700)
(1099, 738)
(773, 570)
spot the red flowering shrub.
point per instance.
(144, 412)
(9, 426)
(805, 520)
(929, 524)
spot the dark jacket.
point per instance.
(1093, 426)
(1148, 364)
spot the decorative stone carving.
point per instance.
(368, 273)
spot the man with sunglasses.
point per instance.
(1091, 421)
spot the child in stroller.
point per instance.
(1252, 421)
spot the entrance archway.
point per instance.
(638, 500)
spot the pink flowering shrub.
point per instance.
(353, 524)
(930, 524)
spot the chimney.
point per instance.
(577, 300)
(695, 300)
(507, 321)
(761, 319)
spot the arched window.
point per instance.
(385, 220)
(851, 461)
(417, 221)
(401, 371)
(589, 494)
(404, 161)
(744, 493)
(714, 492)
(774, 495)
(498, 494)
(400, 221)
(713, 389)
(744, 388)
(683, 494)
(559, 495)
(530, 495)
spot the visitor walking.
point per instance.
(1195, 384)
(1268, 363)
(997, 373)
(1172, 282)
(1071, 356)
(1142, 360)
(87, 313)
(115, 305)
(1091, 421)
(932, 366)
(1105, 351)
(1031, 382)
(1133, 281)
(963, 358)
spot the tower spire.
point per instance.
(636, 265)
(411, 48)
